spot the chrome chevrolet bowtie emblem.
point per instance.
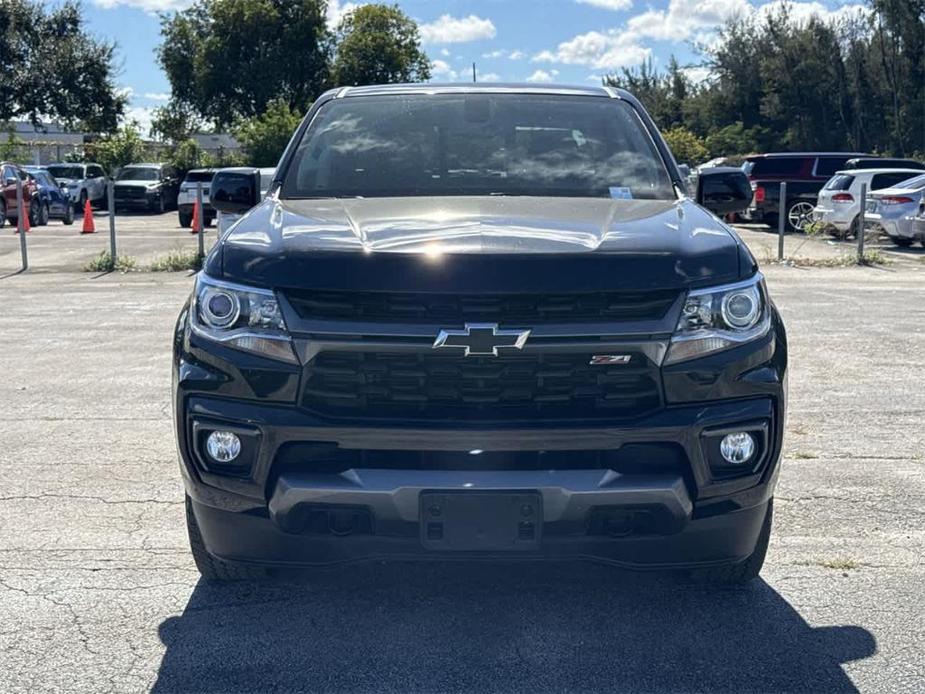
(481, 339)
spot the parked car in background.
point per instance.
(893, 210)
(82, 182)
(187, 197)
(226, 219)
(151, 187)
(839, 203)
(52, 200)
(10, 174)
(884, 163)
(804, 172)
(918, 222)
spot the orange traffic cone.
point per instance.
(196, 226)
(25, 224)
(89, 228)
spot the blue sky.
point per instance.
(570, 41)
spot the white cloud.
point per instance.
(516, 55)
(445, 52)
(441, 70)
(157, 96)
(608, 4)
(696, 74)
(597, 50)
(449, 29)
(126, 91)
(681, 21)
(543, 76)
(510, 55)
(337, 10)
(141, 115)
(151, 6)
(490, 77)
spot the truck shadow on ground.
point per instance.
(489, 627)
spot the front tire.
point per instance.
(901, 241)
(186, 219)
(68, 215)
(744, 571)
(211, 568)
(40, 217)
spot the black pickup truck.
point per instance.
(479, 322)
(804, 172)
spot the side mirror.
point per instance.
(235, 192)
(723, 190)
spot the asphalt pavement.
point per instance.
(98, 592)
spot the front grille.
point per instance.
(435, 386)
(132, 193)
(456, 309)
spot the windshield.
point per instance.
(199, 176)
(137, 175)
(477, 144)
(66, 171)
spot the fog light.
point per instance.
(223, 446)
(737, 448)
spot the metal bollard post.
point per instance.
(110, 192)
(861, 223)
(202, 221)
(781, 220)
(21, 224)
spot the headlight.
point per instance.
(242, 317)
(717, 318)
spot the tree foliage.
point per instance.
(264, 137)
(776, 83)
(687, 147)
(379, 44)
(228, 59)
(53, 68)
(122, 147)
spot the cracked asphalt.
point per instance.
(98, 592)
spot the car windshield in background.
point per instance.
(477, 144)
(840, 182)
(66, 171)
(137, 175)
(199, 176)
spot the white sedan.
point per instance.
(838, 206)
(893, 211)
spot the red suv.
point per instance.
(9, 175)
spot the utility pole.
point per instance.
(473, 71)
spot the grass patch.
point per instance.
(104, 263)
(803, 455)
(177, 261)
(840, 564)
(874, 257)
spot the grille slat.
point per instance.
(509, 309)
(436, 386)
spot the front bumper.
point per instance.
(288, 507)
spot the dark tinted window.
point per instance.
(826, 166)
(477, 144)
(888, 180)
(842, 182)
(775, 166)
(138, 174)
(65, 171)
(199, 176)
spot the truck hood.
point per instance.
(479, 244)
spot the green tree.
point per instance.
(733, 140)
(379, 44)
(264, 137)
(174, 122)
(125, 146)
(53, 68)
(686, 146)
(228, 59)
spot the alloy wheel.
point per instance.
(800, 214)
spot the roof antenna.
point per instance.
(473, 71)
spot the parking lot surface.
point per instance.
(99, 593)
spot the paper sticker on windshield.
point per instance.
(621, 193)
